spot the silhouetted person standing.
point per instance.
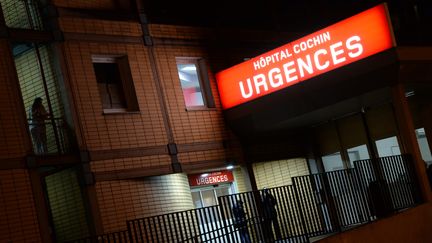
(270, 216)
(37, 116)
(240, 221)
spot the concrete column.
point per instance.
(426, 114)
(408, 138)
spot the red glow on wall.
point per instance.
(350, 40)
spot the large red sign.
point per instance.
(350, 40)
(211, 178)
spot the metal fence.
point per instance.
(58, 138)
(390, 183)
(313, 205)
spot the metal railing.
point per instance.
(313, 205)
(390, 183)
(58, 138)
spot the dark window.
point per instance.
(115, 83)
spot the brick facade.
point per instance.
(125, 163)
(18, 219)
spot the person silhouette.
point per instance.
(38, 115)
(240, 221)
(269, 203)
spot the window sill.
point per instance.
(200, 108)
(118, 111)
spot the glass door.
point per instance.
(207, 196)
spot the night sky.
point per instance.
(305, 16)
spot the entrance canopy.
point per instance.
(314, 78)
(328, 96)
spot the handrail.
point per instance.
(57, 133)
(302, 208)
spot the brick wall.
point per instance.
(120, 200)
(201, 155)
(130, 199)
(147, 128)
(240, 179)
(94, 26)
(91, 4)
(14, 139)
(178, 32)
(129, 163)
(189, 126)
(279, 173)
(18, 219)
(120, 130)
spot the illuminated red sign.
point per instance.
(350, 40)
(211, 178)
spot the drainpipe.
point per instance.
(148, 41)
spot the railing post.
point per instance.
(223, 218)
(362, 193)
(300, 211)
(334, 216)
(129, 231)
(408, 163)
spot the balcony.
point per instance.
(52, 137)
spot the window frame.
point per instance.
(203, 80)
(126, 82)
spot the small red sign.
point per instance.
(211, 178)
(348, 41)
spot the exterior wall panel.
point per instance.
(111, 131)
(18, 219)
(15, 140)
(94, 4)
(130, 199)
(279, 173)
(96, 26)
(129, 163)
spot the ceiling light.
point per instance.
(204, 175)
(230, 167)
